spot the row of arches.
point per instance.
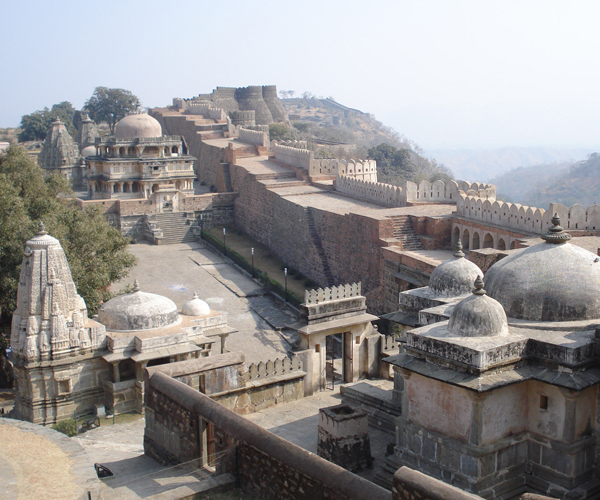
(474, 239)
(136, 151)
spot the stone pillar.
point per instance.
(405, 374)
(115, 371)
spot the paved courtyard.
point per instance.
(177, 271)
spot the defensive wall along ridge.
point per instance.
(527, 219)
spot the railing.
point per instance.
(334, 293)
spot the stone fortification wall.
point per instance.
(276, 107)
(252, 98)
(409, 484)
(349, 241)
(254, 137)
(291, 144)
(263, 462)
(376, 192)
(295, 157)
(446, 192)
(243, 118)
(526, 219)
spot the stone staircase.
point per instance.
(316, 239)
(176, 227)
(227, 177)
(405, 232)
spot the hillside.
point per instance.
(333, 129)
(485, 164)
(579, 184)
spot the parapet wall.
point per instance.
(254, 137)
(527, 219)
(446, 192)
(376, 192)
(295, 157)
(263, 462)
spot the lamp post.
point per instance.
(285, 274)
(253, 262)
(224, 242)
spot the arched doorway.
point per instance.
(488, 241)
(513, 245)
(476, 244)
(501, 244)
(465, 240)
(455, 236)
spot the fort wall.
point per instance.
(522, 218)
(254, 137)
(377, 192)
(263, 462)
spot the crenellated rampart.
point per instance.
(377, 192)
(446, 192)
(300, 158)
(254, 137)
(527, 219)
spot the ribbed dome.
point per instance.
(138, 311)
(455, 276)
(195, 307)
(478, 315)
(138, 125)
(551, 281)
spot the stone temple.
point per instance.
(502, 395)
(67, 364)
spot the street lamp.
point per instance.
(224, 242)
(285, 274)
(253, 262)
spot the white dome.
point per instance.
(455, 276)
(478, 315)
(138, 125)
(550, 281)
(195, 307)
(88, 151)
(138, 311)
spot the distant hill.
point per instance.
(483, 165)
(580, 183)
(337, 130)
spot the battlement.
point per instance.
(377, 192)
(527, 219)
(300, 158)
(254, 137)
(446, 192)
(328, 294)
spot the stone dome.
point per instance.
(88, 151)
(550, 281)
(137, 125)
(138, 311)
(195, 307)
(454, 276)
(478, 315)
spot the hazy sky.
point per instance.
(445, 73)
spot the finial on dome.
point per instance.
(195, 296)
(556, 233)
(136, 286)
(479, 287)
(41, 229)
(459, 253)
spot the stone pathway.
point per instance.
(177, 271)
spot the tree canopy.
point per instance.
(36, 126)
(97, 253)
(110, 105)
(392, 164)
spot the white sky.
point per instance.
(446, 73)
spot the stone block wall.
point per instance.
(264, 463)
(254, 137)
(376, 192)
(409, 484)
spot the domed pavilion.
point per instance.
(139, 162)
(145, 329)
(501, 398)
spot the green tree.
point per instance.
(36, 126)
(279, 132)
(97, 252)
(393, 165)
(110, 105)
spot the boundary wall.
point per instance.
(376, 192)
(527, 219)
(254, 137)
(262, 462)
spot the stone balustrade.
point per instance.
(334, 293)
